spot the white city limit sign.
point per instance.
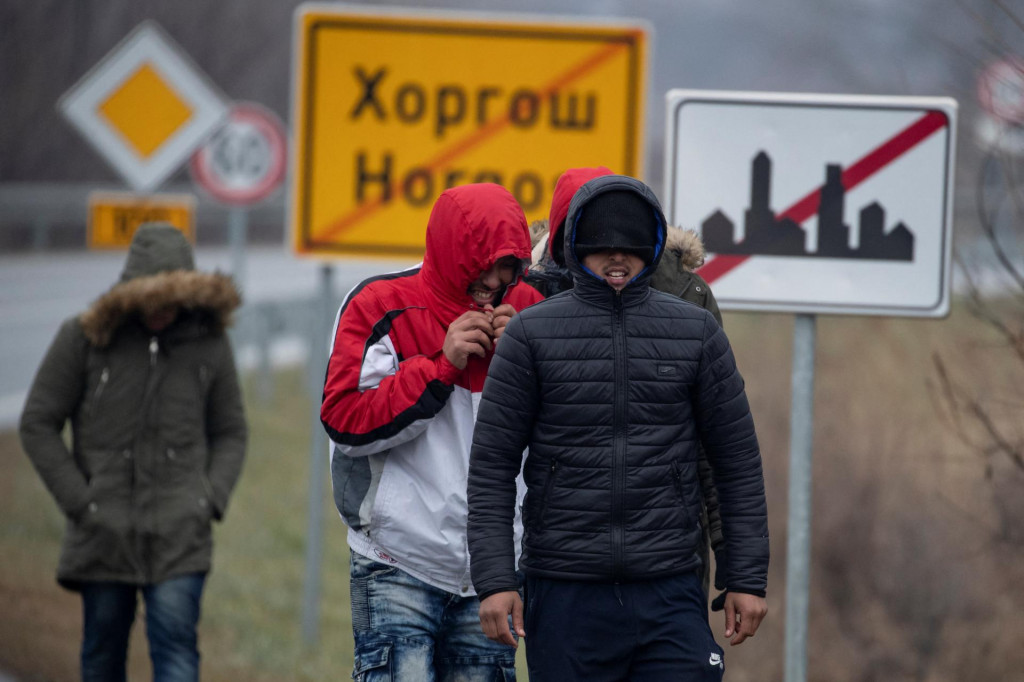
(816, 203)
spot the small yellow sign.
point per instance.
(391, 110)
(114, 217)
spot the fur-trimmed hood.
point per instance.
(686, 244)
(211, 293)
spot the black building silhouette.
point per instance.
(717, 231)
(833, 234)
(874, 243)
(767, 234)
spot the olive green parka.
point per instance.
(158, 431)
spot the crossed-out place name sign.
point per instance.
(816, 203)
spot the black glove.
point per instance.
(718, 603)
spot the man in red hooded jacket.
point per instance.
(410, 355)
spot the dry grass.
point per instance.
(914, 575)
(918, 557)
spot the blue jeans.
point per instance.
(645, 631)
(408, 631)
(172, 613)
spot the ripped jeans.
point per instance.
(408, 631)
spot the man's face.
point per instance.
(159, 320)
(489, 285)
(615, 267)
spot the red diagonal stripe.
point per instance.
(859, 171)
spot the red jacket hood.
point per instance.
(470, 228)
(570, 181)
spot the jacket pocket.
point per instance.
(677, 482)
(182, 461)
(182, 401)
(545, 497)
(99, 543)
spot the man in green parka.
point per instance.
(147, 380)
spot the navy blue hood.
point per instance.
(589, 284)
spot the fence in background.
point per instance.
(40, 216)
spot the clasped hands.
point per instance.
(476, 332)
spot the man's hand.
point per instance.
(743, 615)
(494, 613)
(469, 334)
(501, 316)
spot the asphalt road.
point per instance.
(38, 291)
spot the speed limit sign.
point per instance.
(244, 161)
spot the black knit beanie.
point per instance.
(618, 219)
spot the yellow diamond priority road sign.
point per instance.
(145, 107)
(390, 109)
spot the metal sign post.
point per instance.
(798, 549)
(238, 228)
(322, 327)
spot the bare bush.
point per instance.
(986, 418)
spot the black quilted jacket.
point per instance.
(612, 391)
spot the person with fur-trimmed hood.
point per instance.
(675, 274)
(147, 380)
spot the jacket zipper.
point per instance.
(143, 543)
(618, 436)
(104, 377)
(98, 393)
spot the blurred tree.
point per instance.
(987, 419)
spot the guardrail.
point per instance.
(38, 216)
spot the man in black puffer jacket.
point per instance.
(683, 253)
(612, 386)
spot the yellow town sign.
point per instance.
(390, 110)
